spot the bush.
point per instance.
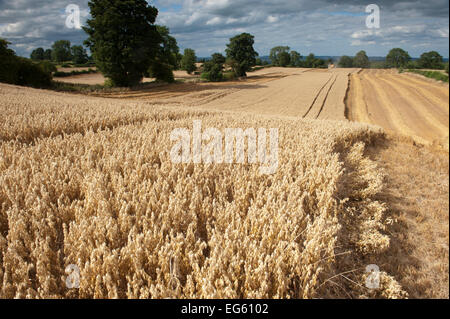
(20, 71)
(47, 66)
(412, 65)
(162, 72)
(229, 76)
(108, 83)
(213, 72)
(439, 76)
(30, 74)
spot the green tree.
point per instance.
(345, 62)
(160, 70)
(218, 59)
(123, 39)
(20, 71)
(276, 52)
(48, 54)
(312, 62)
(241, 51)
(61, 51)
(166, 59)
(79, 54)
(8, 64)
(213, 69)
(37, 54)
(284, 59)
(169, 51)
(431, 60)
(47, 66)
(397, 58)
(296, 59)
(188, 61)
(361, 60)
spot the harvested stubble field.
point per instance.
(88, 180)
(401, 103)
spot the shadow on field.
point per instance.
(179, 89)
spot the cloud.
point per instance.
(325, 27)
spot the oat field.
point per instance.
(88, 181)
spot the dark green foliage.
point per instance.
(345, 62)
(431, 60)
(8, 63)
(188, 61)
(412, 65)
(166, 59)
(61, 51)
(439, 76)
(361, 60)
(446, 68)
(21, 71)
(284, 59)
(276, 52)
(212, 70)
(282, 56)
(161, 71)
(240, 50)
(47, 66)
(214, 74)
(397, 58)
(378, 65)
(312, 62)
(169, 50)
(218, 59)
(37, 54)
(229, 76)
(296, 59)
(48, 54)
(79, 54)
(123, 39)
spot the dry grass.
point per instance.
(417, 190)
(89, 181)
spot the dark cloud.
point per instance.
(325, 27)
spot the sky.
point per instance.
(322, 27)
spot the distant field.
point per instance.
(401, 103)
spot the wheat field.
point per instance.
(88, 181)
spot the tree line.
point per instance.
(396, 58)
(282, 56)
(61, 51)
